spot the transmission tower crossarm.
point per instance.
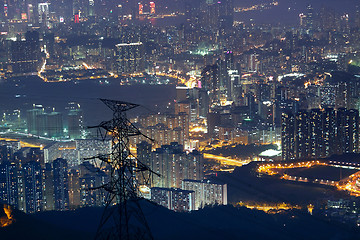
(116, 105)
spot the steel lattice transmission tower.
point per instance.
(123, 217)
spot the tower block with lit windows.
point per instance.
(123, 217)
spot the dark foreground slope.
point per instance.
(221, 222)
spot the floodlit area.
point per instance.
(226, 160)
(350, 183)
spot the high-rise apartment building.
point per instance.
(33, 187)
(86, 148)
(9, 183)
(316, 133)
(288, 136)
(347, 130)
(152, 8)
(25, 55)
(6, 153)
(174, 165)
(61, 186)
(174, 199)
(31, 119)
(302, 135)
(49, 203)
(74, 188)
(75, 123)
(54, 124)
(328, 128)
(130, 58)
(219, 14)
(319, 133)
(310, 17)
(206, 192)
(44, 124)
(90, 179)
(143, 153)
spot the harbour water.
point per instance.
(23, 93)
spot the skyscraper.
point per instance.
(141, 9)
(210, 84)
(49, 204)
(130, 57)
(316, 133)
(54, 124)
(33, 188)
(174, 165)
(288, 136)
(329, 126)
(192, 10)
(152, 8)
(357, 16)
(74, 188)
(226, 18)
(6, 153)
(320, 133)
(75, 123)
(219, 14)
(347, 130)
(302, 135)
(90, 179)
(44, 14)
(31, 119)
(61, 187)
(206, 192)
(174, 199)
(143, 152)
(87, 195)
(310, 17)
(9, 183)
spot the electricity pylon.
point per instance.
(123, 217)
